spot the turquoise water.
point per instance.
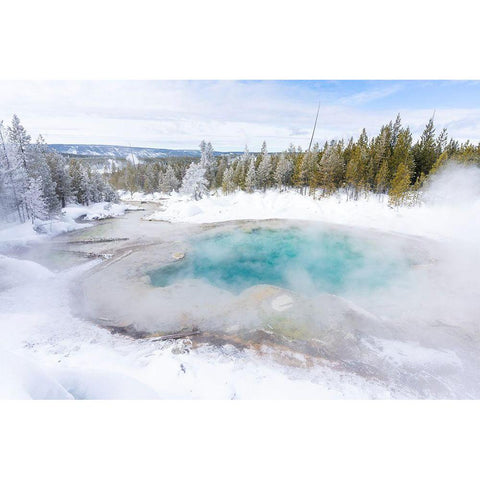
(297, 259)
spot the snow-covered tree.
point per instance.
(194, 182)
(34, 200)
(152, 178)
(81, 188)
(331, 168)
(169, 181)
(19, 138)
(264, 168)
(207, 161)
(239, 174)
(132, 158)
(283, 171)
(355, 177)
(96, 184)
(59, 171)
(246, 156)
(13, 176)
(228, 183)
(39, 168)
(251, 178)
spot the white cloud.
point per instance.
(179, 114)
(369, 95)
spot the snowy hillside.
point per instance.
(117, 151)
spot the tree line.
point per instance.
(388, 163)
(36, 182)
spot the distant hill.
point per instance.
(116, 151)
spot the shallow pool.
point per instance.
(306, 260)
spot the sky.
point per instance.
(231, 114)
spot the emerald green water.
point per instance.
(302, 260)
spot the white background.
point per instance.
(239, 40)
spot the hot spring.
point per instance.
(375, 305)
(305, 260)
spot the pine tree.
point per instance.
(12, 181)
(131, 178)
(283, 171)
(355, 174)
(169, 180)
(207, 161)
(221, 167)
(379, 152)
(241, 169)
(400, 186)
(80, 182)
(264, 172)
(39, 168)
(425, 151)
(440, 163)
(381, 180)
(452, 147)
(19, 137)
(96, 187)
(331, 168)
(251, 178)
(396, 128)
(151, 180)
(239, 174)
(194, 182)
(34, 201)
(310, 170)
(441, 142)
(300, 172)
(60, 176)
(402, 152)
(228, 184)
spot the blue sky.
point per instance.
(179, 114)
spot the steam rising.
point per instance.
(418, 332)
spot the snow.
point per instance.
(432, 218)
(155, 197)
(46, 352)
(15, 272)
(97, 211)
(22, 379)
(407, 353)
(22, 234)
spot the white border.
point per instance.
(246, 40)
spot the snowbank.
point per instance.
(433, 218)
(96, 211)
(22, 379)
(21, 234)
(15, 272)
(155, 197)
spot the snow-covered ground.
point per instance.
(155, 197)
(437, 220)
(449, 208)
(46, 351)
(25, 233)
